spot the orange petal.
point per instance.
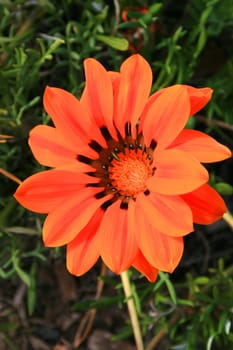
(50, 147)
(176, 173)
(42, 192)
(98, 94)
(164, 117)
(71, 117)
(134, 90)
(117, 240)
(142, 265)
(162, 251)
(201, 146)
(115, 79)
(83, 251)
(206, 204)
(198, 98)
(168, 214)
(70, 217)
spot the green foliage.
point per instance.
(208, 322)
(44, 43)
(194, 313)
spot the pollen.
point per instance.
(129, 173)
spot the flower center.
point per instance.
(129, 172)
(122, 167)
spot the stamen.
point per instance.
(115, 156)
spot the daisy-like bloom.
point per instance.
(127, 181)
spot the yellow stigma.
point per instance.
(129, 173)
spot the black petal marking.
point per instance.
(124, 205)
(128, 129)
(95, 146)
(107, 204)
(84, 159)
(100, 194)
(153, 144)
(93, 185)
(91, 173)
(105, 133)
(146, 192)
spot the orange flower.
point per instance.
(128, 181)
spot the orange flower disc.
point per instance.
(124, 168)
(129, 173)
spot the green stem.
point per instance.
(132, 310)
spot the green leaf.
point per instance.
(201, 42)
(201, 280)
(117, 43)
(95, 304)
(169, 285)
(130, 25)
(32, 291)
(224, 188)
(186, 302)
(153, 9)
(23, 275)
